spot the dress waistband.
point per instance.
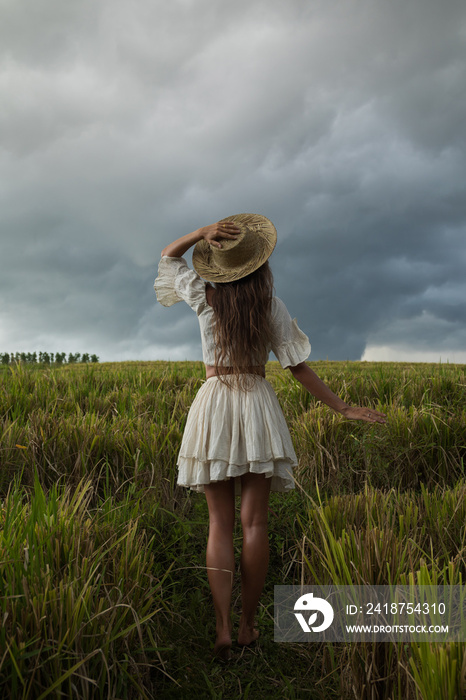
(256, 379)
(258, 370)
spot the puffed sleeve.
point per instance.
(177, 282)
(290, 345)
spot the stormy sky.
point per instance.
(126, 125)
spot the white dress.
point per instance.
(228, 431)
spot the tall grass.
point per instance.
(376, 539)
(104, 590)
(77, 592)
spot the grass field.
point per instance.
(104, 591)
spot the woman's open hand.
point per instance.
(367, 414)
(212, 233)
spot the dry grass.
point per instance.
(103, 587)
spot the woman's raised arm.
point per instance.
(210, 233)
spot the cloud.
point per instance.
(126, 126)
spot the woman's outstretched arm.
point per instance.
(310, 381)
(210, 233)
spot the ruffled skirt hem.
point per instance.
(195, 475)
(230, 432)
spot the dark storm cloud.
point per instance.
(126, 126)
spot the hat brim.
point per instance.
(265, 239)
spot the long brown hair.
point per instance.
(242, 329)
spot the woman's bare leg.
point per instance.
(255, 490)
(220, 558)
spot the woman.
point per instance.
(236, 440)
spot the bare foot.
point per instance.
(222, 648)
(223, 651)
(247, 634)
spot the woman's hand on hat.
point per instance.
(366, 414)
(213, 232)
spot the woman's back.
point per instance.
(268, 321)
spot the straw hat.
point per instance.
(237, 257)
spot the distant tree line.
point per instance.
(46, 358)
